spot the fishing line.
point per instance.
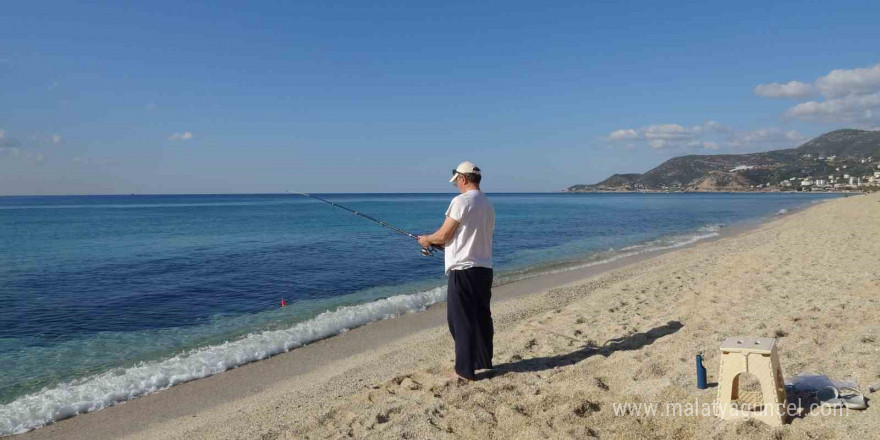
(428, 251)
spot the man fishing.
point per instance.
(466, 235)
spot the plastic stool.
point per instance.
(756, 356)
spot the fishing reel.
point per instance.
(429, 251)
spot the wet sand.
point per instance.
(811, 278)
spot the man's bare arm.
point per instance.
(442, 235)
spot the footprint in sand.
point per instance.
(385, 416)
(586, 408)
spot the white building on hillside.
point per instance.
(742, 168)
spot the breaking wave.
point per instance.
(106, 389)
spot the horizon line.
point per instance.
(259, 194)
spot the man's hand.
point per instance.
(423, 241)
(442, 236)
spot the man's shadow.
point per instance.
(626, 343)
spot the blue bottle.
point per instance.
(701, 373)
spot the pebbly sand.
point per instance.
(565, 356)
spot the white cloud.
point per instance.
(850, 82)
(185, 136)
(658, 143)
(792, 89)
(659, 136)
(852, 96)
(851, 108)
(617, 135)
(710, 135)
(666, 132)
(56, 139)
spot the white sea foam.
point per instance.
(782, 211)
(714, 227)
(106, 389)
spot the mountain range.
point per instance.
(857, 151)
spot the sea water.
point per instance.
(107, 298)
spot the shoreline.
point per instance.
(358, 340)
(189, 398)
(326, 325)
(307, 367)
(94, 394)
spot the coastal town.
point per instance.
(845, 177)
(845, 160)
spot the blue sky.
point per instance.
(169, 97)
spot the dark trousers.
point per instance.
(470, 320)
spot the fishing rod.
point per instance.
(428, 251)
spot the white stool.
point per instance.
(756, 356)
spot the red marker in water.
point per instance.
(283, 302)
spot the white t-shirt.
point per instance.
(471, 245)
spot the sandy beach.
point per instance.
(568, 348)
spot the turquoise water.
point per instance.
(106, 298)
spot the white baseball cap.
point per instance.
(465, 167)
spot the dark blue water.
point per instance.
(98, 293)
